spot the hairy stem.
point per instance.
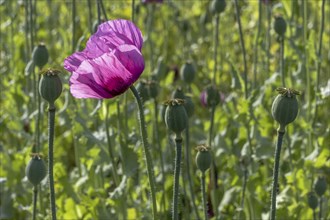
(177, 167)
(147, 154)
(204, 196)
(35, 197)
(51, 125)
(280, 135)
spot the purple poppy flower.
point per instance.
(110, 63)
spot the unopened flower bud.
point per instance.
(188, 72)
(217, 6)
(40, 55)
(280, 25)
(203, 158)
(320, 186)
(312, 200)
(176, 117)
(36, 170)
(210, 96)
(50, 85)
(285, 106)
(188, 103)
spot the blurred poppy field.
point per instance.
(223, 62)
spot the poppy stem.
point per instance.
(35, 197)
(204, 196)
(147, 154)
(51, 123)
(178, 152)
(280, 134)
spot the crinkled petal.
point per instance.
(108, 75)
(118, 32)
(72, 62)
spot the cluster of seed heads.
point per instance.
(287, 92)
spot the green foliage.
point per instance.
(84, 167)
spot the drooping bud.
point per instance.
(176, 117)
(312, 200)
(188, 72)
(280, 25)
(36, 170)
(50, 85)
(203, 158)
(285, 106)
(40, 55)
(217, 6)
(320, 186)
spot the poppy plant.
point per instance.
(110, 63)
(152, 1)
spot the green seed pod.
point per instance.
(176, 117)
(320, 186)
(153, 89)
(280, 25)
(285, 106)
(40, 55)
(312, 200)
(203, 158)
(188, 72)
(188, 104)
(142, 88)
(50, 85)
(217, 6)
(36, 170)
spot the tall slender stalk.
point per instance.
(216, 45)
(35, 197)
(243, 191)
(73, 26)
(268, 15)
(282, 60)
(320, 205)
(280, 134)
(51, 125)
(147, 153)
(178, 152)
(243, 48)
(204, 196)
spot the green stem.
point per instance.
(319, 54)
(314, 214)
(243, 191)
(133, 11)
(51, 125)
(204, 196)
(255, 49)
(73, 26)
(243, 48)
(188, 173)
(103, 10)
(282, 61)
(147, 154)
(178, 152)
(151, 10)
(280, 134)
(320, 211)
(98, 4)
(35, 197)
(216, 45)
(90, 16)
(111, 154)
(214, 198)
(268, 14)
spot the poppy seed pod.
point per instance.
(36, 170)
(285, 106)
(280, 25)
(50, 85)
(176, 117)
(312, 200)
(320, 186)
(203, 158)
(188, 72)
(188, 104)
(217, 6)
(40, 55)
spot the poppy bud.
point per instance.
(280, 25)
(217, 6)
(36, 170)
(312, 200)
(176, 117)
(203, 158)
(211, 96)
(285, 106)
(50, 85)
(153, 89)
(320, 186)
(161, 69)
(188, 72)
(188, 103)
(142, 88)
(40, 55)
